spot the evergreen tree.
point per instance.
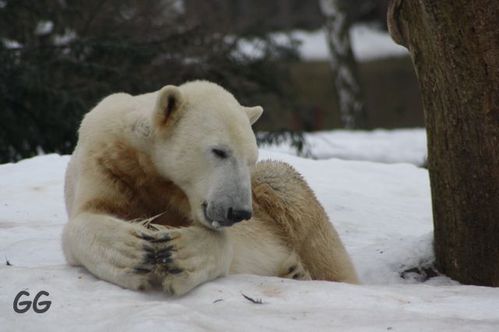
(59, 58)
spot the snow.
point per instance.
(382, 212)
(64, 39)
(44, 28)
(11, 44)
(380, 145)
(368, 43)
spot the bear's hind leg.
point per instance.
(292, 268)
(300, 220)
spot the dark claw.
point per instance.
(150, 258)
(166, 251)
(165, 260)
(170, 248)
(146, 237)
(149, 250)
(165, 238)
(292, 269)
(175, 270)
(141, 270)
(296, 276)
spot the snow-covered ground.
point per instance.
(368, 43)
(382, 212)
(380, 145)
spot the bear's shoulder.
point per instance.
(116, 117)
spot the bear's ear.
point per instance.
(168, 103)
(253, 113)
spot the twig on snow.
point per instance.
(252, 300)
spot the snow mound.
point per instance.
(381, 211)
(380, 145)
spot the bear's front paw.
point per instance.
(124, 256)
(187, 257)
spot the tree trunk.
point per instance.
(454, 45)
(343, 65)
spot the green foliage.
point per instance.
(59, 58)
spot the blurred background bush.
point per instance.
(60, 57)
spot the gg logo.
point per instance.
(24, 306)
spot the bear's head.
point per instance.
(204, 143)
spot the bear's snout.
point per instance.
(218, 216)
(236, 216)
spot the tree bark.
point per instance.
(350, 98)
(454, 45)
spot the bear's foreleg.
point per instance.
(135, 257)
(112, 249)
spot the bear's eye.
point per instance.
(219, 153)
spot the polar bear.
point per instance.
(158, 187)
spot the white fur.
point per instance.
(111, 248)
(215, 118)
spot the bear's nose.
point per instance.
(238, 215)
